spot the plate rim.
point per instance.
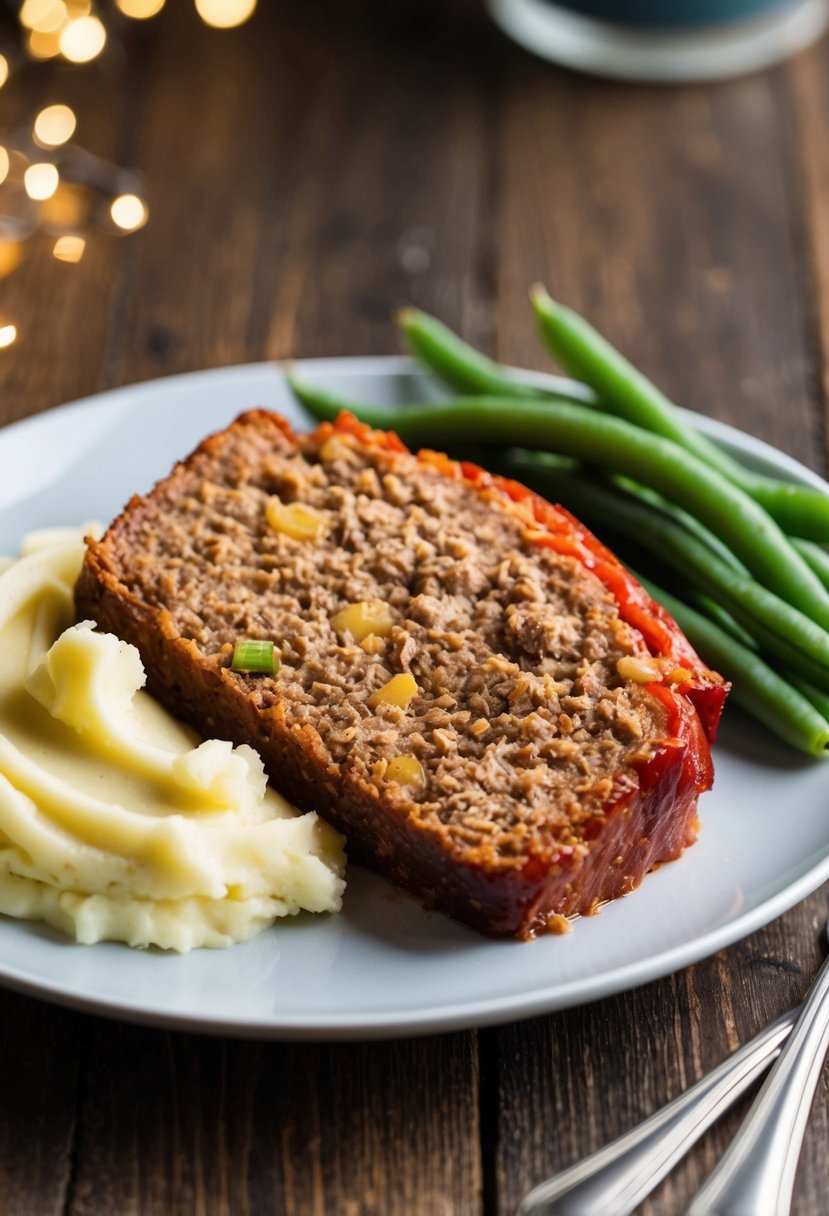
(454, 1016)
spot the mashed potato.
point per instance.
(115, 823)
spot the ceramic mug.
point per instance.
(672, 13)
(663, 40)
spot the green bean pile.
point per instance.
(745, 549)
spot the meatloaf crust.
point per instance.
(555, 742)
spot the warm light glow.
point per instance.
(44, 46)
(11, 255)
(5, 164)
(140, 9)
(4, 70)
(224, 14)
(82, 39)
(69, 248)
(45, 16)
(68, 208)
(41, 181)
(129, 212)
(79, 8)
(8, 334)
(54, 125)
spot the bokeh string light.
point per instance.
(49, 185)
(225, 14)
(82, 39)
(54, 126)
(140, 10)
(78, 30)
(69, 248)
(129, 212)
(41, 180)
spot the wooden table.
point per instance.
(306, 174)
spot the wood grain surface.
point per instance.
(306, 174)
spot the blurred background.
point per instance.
(179, 195)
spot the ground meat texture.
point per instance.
(527, 740)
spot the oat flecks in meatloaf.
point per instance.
(526, 772)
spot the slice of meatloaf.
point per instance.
(471, 687)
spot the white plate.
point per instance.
(383, 967)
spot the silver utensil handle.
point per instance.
(755, 1177)
(613, 1181)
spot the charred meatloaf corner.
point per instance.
(472, 688)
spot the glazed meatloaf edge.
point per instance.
(472, 688)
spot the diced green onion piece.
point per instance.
(255, 656)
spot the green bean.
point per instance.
(756, 687)
(817, 696)
(799, 510)
(722, 617)
(689, 522)
(783, 631)
(583, 353)
(521, 463)
(325, 406)
(719, 616)
(814, 556)
(465, 369)
(575, 430)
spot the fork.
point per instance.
(615, 1180)
(755, 1176)
(758, 1170)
